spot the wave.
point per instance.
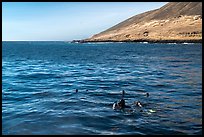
(36, 76)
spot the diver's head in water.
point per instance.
(119, 105)
(139, 104)
(147, 94)
(122, 103)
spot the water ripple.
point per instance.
(39, 88)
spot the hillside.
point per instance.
(175, 21)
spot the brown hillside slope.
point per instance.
(174, 21)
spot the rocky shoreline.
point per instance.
(140, 40)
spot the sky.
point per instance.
(65, 21)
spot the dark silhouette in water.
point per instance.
(76, 90)
(139, 104)
(120, 105)
(147, 94)
(123, 93)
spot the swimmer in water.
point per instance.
(120, 105)
(139, 104)
(147, 94)
(116, 106)
(76, 90)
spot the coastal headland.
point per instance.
(175, 22)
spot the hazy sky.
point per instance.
(65, 20)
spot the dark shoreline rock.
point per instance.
(76, 41)
(139, 40)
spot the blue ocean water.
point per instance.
(39, 80)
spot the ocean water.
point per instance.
(39, 80)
